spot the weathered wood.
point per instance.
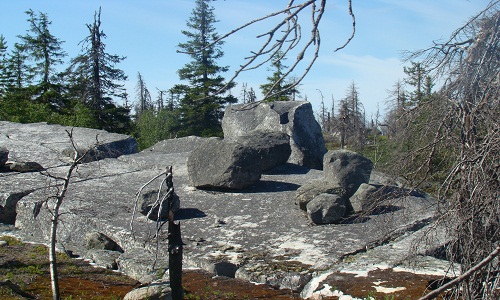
(175, 259)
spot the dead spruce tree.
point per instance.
(463, 123)
(53, 205)
(165, 201)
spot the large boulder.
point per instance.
(223, 164)
(326, 208)
(347, 169)
(4, 156)
(273, 147)
(294, 118)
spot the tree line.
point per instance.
(36, 85)
(34, 89)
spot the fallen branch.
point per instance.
(464, 276)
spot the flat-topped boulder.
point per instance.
(295, 118)
(49, 145)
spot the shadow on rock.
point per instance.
(384, 209)
(268, 186)
(189, 213)
(288, 169)
(355, 219)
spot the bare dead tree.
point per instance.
(468, 132)
(165, 202)
(284, 38)
(54, 204)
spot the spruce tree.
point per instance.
(95, 81)
(277, 88)
(3, 64)
(45, 50)
(203, 99)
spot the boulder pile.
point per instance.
(326, 201)
(295, 118)
(257, 138)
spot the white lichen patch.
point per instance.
(388, 290)
(307, 252)
(312, 285)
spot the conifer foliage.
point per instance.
(34, 89)
(96, 80)
(203, 99)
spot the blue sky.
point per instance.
(147, 33)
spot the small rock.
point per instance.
(154, 291)
(24, 167)
(362, 199)
(98, 241)
(4, 156)
(326, 209)
(312, 189)
(147, 200)
(104, 258)
(137, 263)
(3, 243)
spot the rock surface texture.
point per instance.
(294, 118)
(256, 234)
(223, 164)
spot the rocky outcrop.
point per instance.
(223, 164)
(48, 145)
(256, 233)
(294, 118)
(347, 169)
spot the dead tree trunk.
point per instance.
(174, 244)
(175, 259)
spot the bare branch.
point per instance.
(284, 37)
(464, 276)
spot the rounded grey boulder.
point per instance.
(326, 208)
(347, 169)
